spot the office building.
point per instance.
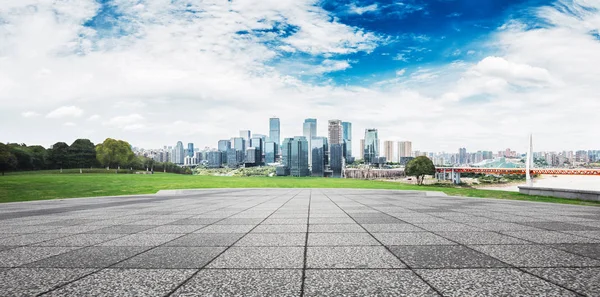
(462, 156)
(239, 144)
(371, 147)
(258, 144)
(336, 160)
(223, 147)
(388, 150)
(309, 130)
(235, 158)
(178, 153)
(245, 134)
(190, 150)
(335, 132)
(295, 155)
(214, 159)
(253, 157)
(274, 131)
(361, 151)
(319, 160)
(270, 152)
(347, 137)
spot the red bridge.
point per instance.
(552, 171)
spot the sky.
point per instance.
(443, 74)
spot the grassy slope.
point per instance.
(40, 186)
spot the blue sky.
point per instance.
(441, 73)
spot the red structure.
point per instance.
(552, 171)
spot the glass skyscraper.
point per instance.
(371, 148)
(319, 155)
(190, 150)
(274, 131)
(245, 134)
(270, 152)
(295, 155)
(309, 130)
(347, 137)
(336, 159)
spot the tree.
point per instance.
(58, 155)
(419, 167)
(82, 154)
(23, 155)
(8, 161)
(39, 157)
(114, 152)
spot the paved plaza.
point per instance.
(298, 242)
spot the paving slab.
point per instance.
(582, 280)
(260, 257)
(88, 257)
(251, 283)
(34, 281)
(443, 256)
(173, 258)
(359, 257)
(206, 239)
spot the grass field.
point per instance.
(50, 185)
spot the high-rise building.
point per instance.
(462, 156)
(361, 151)
(371, 147)
(335, 132)
(270, 152)
(258, 144)
(309, 130)
(347, 137)
(336, 160)
(388, 150)
(274, 131)
(239, 144)
(404, 150)
(179, 153)
(253, 157)
(223, 147)
(234, 158)
(319, 157)
(295, 155)
(245, 134)
(214, 159)
(190, 150)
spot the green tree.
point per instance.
(114, 152)
(8, 160)
(58, 155)
(39, 157)
(82, 154)
(419, 167)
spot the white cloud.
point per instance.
(30, 114)
(132, 120)
(69, 124)
(65, 111)
(361, 10)
(401, 57)
(400, 72)
(94, 117)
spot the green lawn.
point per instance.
(50, 185)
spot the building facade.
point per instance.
(336, 160)
(319, 152)
(388, 150)
(295, 155)
(246, 135)
(371, 148)
(271, 152)
(335, 132)
(347, 137)
(274, 131)
(309, 130)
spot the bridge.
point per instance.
(453, 173)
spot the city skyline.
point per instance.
(443, 74)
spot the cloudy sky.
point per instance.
(442, 73)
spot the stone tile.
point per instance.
(360, 283)
(489, 282)
(294, 221)
(499, 227)
(447, 227)
(351, 257)
(443, 256)
(340, 239)
(582, 280)
(534, 256)
(206, 239)
(89, 257)
(250, 283)
(34, 281)
(549, 237)
(382, 219)
(340, 228)
(173, 258)
(484, 237)
(382, 228)
(121, 229)
(141, 240)
(195, 221)
(591, 250)
(260, 257)
(560, 226)
(73, 229)
(273, 239)
(588, 234)
(23, 255)
(80, 240)
(411, 238)
(324, 221)
(7, 247)
(280, 229)
(126, 282)
(170, 229)
(28, 239)
(240, 221)
(226, 229)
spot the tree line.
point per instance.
(82, 153)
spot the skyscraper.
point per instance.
(178, 153)
(336, 160)
(295, 155)
(257, 143)
(223, 147)
(274, 131)
(404, 149)
(190, 150)
(245, 134)
(239, 144)
(347, 136)
(309, 130)
(371, 145)
(335, 132)
(361, 151)
(388, 150)
(462, 156)
(319, 157)
(270, 152)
